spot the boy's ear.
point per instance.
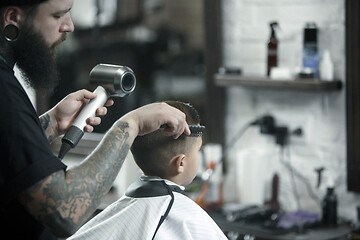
(177, 163)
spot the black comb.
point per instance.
(196, 130)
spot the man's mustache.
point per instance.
(61, 39)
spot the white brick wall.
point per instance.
(246, 30)
(320, 115)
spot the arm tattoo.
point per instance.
(67, 200)
(45, 123)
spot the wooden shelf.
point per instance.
(228, 80)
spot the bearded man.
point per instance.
(40, 197)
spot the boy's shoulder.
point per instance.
(187, 214)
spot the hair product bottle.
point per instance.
(310, 57)
(272, 48)
(329, 208)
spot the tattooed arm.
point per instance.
(45, 123)
(63, 201)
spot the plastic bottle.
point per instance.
(310, 51)
(329, 208)
(272, 48)
(326, 67)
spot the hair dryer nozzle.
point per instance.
(121, 78)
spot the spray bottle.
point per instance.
(272, 48)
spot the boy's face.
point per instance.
(192, 163)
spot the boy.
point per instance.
(155, 207)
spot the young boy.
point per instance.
(155, 207)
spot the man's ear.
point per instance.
(13, 15)
(177, 163)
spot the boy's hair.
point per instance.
(153, 152)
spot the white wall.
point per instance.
(321, 115)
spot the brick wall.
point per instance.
(256, 157)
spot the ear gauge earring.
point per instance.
(11, 32)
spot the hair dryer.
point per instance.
(118, 81)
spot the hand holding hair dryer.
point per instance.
(122, 81)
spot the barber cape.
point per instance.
(151, 208)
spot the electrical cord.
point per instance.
(296, 173)
(291, 170)
(237, 136)
(287, 164)
(211, 168)
(284, 156)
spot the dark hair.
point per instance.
(20, 3)
(153, 151)
(30, 7)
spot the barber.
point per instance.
(40, 197)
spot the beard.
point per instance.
(36, 60)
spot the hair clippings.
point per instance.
(196, 130)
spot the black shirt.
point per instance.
(26, 156)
